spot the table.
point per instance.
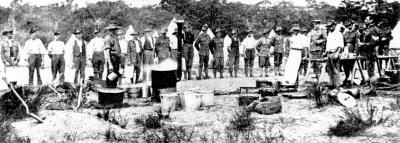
(390, 60)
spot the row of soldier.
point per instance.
(142, 52)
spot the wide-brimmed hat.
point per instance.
(316, 21)
(164, 30)
(234, 31)
(295, 27)
(112, 26)
(279, 28)
(7, 30)
(77, 31)
(303, 30)
(265, 31)
(218, 30)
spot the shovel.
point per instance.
(23, 102)
(79, 95)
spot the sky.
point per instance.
(141, 3)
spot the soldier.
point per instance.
(305, 51)
(277, 41)
(202, 45)
(10, 49)
(263, 48)
(351, 38)
(217, 49)
(96, 46)
(36, 50)
(56, 50)
(162, 46)
(334, 47)
(233, 51)
(79, 52)
(188, 53)
(249, 45)
(148, 52)
(385, 35)
(135, 55)
(317, 45)
(124, 46)
(174, 45)
(369, 46)
(112, 52)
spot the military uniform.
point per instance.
(10, 52)
(317, 46)
(278, 42)
(202, 45)
(134, 56)
(112, 44)
(188, 53)
(162, 48)
(217, 49)
(263, 48)
(79, 58)
(368, 50)
(234, 56)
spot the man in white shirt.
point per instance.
(10, 52)
(334, 45)
(56, 50)
(124, 50)
(249, 45)
(96, 55)
(36, 50)
(79, 56)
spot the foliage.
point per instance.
(353, 121)
(241, 121)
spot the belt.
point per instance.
(295, 49)
(98, 51)
(148, 49)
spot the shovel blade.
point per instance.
(36, 117)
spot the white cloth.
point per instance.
(173, 42)
(292, 67)
(334, 40)
(56, 47)
(35, 46)
(249, 43)
(137, 47)
(96, 44)
(297, 41)
(124, 46)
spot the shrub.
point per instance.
(353, 122)
(241, 121)
(149, 122)
(319, 94)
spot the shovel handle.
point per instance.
(16, 94)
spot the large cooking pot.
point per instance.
(163, 82)
(111, 96)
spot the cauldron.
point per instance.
(163, 82)
(111, 96)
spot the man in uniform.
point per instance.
(277, 41)
(56, 50)
(36, 50)
(112, 52)
(385, 35)
(233, 51)
(249, 45)
(162, 46)
(148, 52)
(135, 55)
(217, 49)
(188, 53)
(317, 45)
(96, 46)
(369, 45)
(263, 48)
(202, 45)
(334, 47)
(79, 53)
(351, 38)
(124, 47)
(10, 49)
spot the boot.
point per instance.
(206, 72)
(251, 71)
(200, 72)
(266, 72)
(189, 75)
(215, 73)
(262, 72)
(246, 71)
(236, 72)
(131, 80)
(221, 74)
(185, 75)
(100, 76)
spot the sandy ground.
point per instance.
(299, 121)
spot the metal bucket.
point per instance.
(191, 100)
(208, 98)
(170, 102)
(111, 96)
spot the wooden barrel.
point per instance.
(134, 92)
(111, 96)
(170, 102)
